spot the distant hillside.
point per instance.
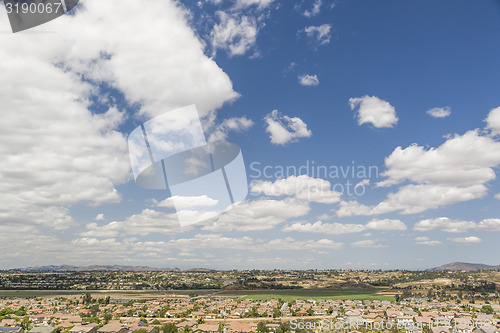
(463, 266)
(93, 268)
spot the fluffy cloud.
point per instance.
(234, 33)
(261, 214)
(319, 34)
(285, 129)
(489, 225)
(221, 131)
(375, 111)
(439, 112)
(467, 240)
(144, 223)
(237, 28)
(172, 47)
(315, 10)
(261, 4)
(368, 243)
(457, 226)
(56, 150)
(456, 171)
(363, 183)
(292, 244)
(339, 228)
(182, 203)
(308, 80)
(386, 225)
(463, 160)
(265, 213)
(444, 224)
(427, 241)
(325, 228)
(301, 187)
(493, 121)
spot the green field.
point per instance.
(263, 295)
(288, 295)
(114, 294)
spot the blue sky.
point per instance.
(410, 89)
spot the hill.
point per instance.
(95, 268)
(463, 266)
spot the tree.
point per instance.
(25, 324)
(488, 309)
(262, 328)
(282, 328)
(94, 309)
(107, 317)
(169, 328)
(87, 298)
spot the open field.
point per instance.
(113, 294)
(288, 295)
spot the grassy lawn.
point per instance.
(288, 295)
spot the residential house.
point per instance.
(486, 329)
(208, 327)
(7, 322)
(484, 320)
(435, 329)
(84, 329)
(113, 328)
(43, 329)
(12, 329)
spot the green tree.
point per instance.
(25, 324)
(87, 298)
(282, 328)
(488, 309)
(262, 328)
(169, 328)
(107, 317)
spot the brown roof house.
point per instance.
(84, 329)
(113, 328)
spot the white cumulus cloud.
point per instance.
(467, 240)
(427, 241)
(375, 111)
(234, 33)
(439, 112)
(308, 80)
(315, 10)
(456, 171)
(445, 224)
(320, 34)
(368, 243)
(493, 121)
(301, 187)
(284, 129)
